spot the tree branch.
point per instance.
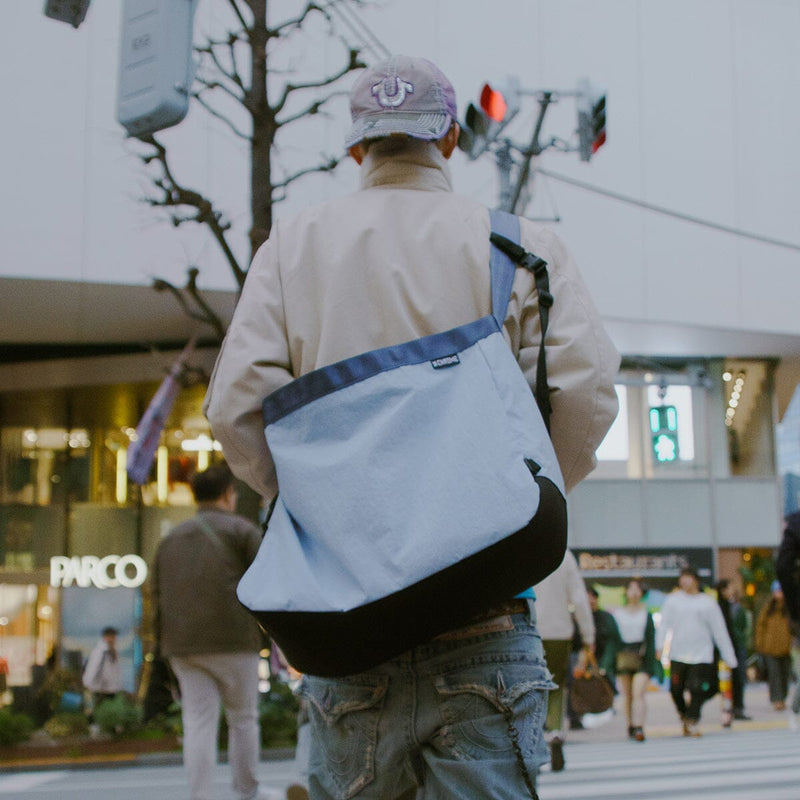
(220, 116)
(177, 195)
(231, 74)
(297, 21)
(311, 109)
(210, 86)
(328, 166)
(353, 63)
(206, 314)
(238, 12)
(211, 316)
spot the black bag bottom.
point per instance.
(337, 643)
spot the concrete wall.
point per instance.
(731, 512)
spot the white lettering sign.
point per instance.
(108, 572)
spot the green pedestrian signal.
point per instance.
(664, 433)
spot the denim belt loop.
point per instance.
(531, 610)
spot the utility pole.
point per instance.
(483, 125)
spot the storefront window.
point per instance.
(748, 414)
(655, 434)
(41, 464)
(66, 503)
(788, 445)
(47, 466)
(616, 445)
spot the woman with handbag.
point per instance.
(636, 659)
(773, 640)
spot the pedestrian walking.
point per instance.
(606, 636)
(636, 661)
(738, 626)
(562, 604)
(211, 642)
(693, 624)
(606, 645)
(102, 675)
(787, 565)
(402, 258)
(773, 642)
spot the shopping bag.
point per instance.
(591, 692)
(418, 487)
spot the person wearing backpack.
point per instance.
(404, 257)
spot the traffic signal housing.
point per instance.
(71, 11)
(664, 433)
(155, 67)
(591, 119)
(482, 125)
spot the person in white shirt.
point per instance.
(636, 661)
(696, 626)
(102, 674)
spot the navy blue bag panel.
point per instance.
(418, 486)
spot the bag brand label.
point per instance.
(446, 361)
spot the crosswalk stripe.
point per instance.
(747, 765)
(25, 781)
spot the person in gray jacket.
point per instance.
(211, 642)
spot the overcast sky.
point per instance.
(702, 118)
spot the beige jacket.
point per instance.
(402, 258)
(560, 598)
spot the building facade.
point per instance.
(683, 225)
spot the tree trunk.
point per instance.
(264, 129)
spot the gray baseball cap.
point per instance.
(401, 95)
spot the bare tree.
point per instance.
(271, 103)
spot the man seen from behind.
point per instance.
(402, 258)
(211, 642)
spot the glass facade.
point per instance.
(65, 494)
(64, 490)
(723, 423)
(788, 434)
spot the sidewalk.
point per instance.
(122, 759)
(662, 719)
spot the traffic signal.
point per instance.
(591, 119)
(483, 125)
(664, 433)
(155, 67)
(71, 11)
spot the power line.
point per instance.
(362, 31)
(757, 237)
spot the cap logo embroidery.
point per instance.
(391, 92)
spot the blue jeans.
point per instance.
(434, 722)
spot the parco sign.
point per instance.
(108, 572)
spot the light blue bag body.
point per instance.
(396, 470)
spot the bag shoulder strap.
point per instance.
(506, 254)
(214, 537)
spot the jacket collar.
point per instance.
(418, 165)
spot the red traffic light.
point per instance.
(493, 103)
(599, 123)
(599, 141)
